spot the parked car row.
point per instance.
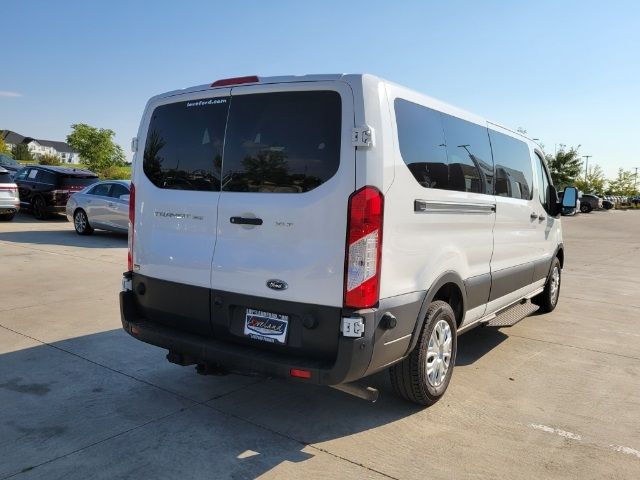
(587, 202)
(45, 190)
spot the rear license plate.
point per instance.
(266, 326)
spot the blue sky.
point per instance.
(567, 71)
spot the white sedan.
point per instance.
(103, 205)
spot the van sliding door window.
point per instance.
(183, 150)
(468, 156)
(442, 151)
(287, 142)
(513, 171)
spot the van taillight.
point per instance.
(132, 222)
(364, 247)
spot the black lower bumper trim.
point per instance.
(353, 355)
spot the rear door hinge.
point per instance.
(362, 136)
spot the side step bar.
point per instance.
(512, 315)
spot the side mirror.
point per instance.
(125, 197)
(570, 198)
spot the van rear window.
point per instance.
(286, 142)
(183, 150)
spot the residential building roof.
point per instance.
(12, 137)
(16, 139)
(61, 147)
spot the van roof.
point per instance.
(334, 77)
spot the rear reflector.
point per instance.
(364, 247)
(300, 373)
(235, 81)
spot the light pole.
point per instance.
(586, 166)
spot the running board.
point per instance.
(513, 314)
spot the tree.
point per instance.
(623, 185)
(3, 147)
(565, 166)
(594, 183)
(96, 146)
(21, 152)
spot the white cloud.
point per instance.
(5, 93)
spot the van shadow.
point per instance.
(128, 394)
(476, 343)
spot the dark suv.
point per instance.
(45, 190)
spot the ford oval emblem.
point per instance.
(275, 284)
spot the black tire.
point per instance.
(548, 299)
(7, 217)
(585, 208)
(81, 223)
(39, 208)
(409, 378)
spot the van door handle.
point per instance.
(245, 221)
(533, 215)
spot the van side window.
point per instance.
(543, 183)
(183, 150)
(421, 142)
(443, 151)
(286, 142)
(468, 155)
(513, 171)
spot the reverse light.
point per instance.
(235, 81)
(364, 248)
(132, 222)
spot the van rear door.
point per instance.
(178, 187)
(287, 175)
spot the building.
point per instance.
(38, 147)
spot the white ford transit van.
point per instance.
(326, 227)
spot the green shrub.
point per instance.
(115, 173)
(49, 159)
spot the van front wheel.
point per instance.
(548, 299)
(424, 375)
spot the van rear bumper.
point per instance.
(351, 363)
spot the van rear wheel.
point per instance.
(424, 375)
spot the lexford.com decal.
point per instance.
(211, 101)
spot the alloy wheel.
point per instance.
(439, 353)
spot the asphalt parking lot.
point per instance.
(556, 396)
